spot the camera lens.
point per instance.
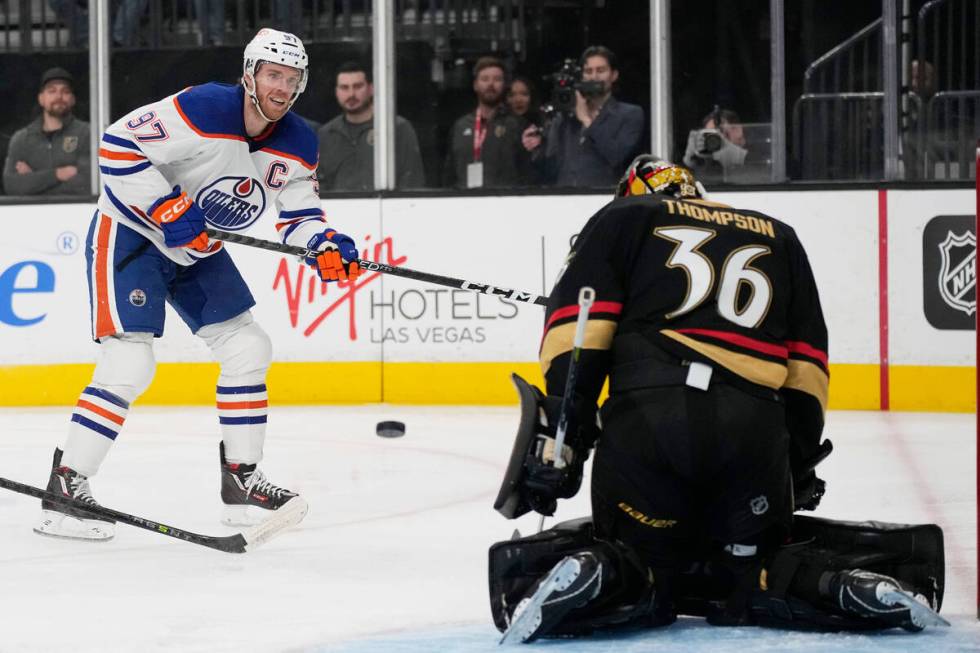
(712, 142)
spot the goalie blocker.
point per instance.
(803, 587)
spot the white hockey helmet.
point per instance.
(272, 46)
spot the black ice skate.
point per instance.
(883, 598)
(570, 584)
(249, 497)
(60, 520)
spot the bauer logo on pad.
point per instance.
(949, 272)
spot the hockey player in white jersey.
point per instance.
(209, 155)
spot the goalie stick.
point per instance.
(374, 266)
(586, 297)
(290, 514)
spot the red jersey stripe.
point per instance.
(741, 341)
(807, 350)
(616, 308)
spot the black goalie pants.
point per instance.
(679, 470)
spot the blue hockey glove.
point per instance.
(333, 251)
(181, 219)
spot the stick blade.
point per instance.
(289, 515)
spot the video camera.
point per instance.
(710, 139)
(565, 82)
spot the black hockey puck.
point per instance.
(391, 429)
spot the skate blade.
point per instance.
(60, 525)
(248, 515)
(922, 615)
(526, 622)
(289, 515)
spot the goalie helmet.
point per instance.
(648, 175)
(273, 46)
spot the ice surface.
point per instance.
(392, 556)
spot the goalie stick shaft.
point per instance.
(374, 266)
(586, 297)
(236, 543)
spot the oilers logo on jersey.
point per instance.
(232, 203)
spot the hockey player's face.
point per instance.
(354, 92)
(597, 69)
(274, 88)
(489, 85)
(56, 98)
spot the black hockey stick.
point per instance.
(237, 543)
(586, 297)
(374, 266)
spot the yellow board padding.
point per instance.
(852, 387)
(932, 388)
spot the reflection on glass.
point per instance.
(724, 149)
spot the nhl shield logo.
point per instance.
(958, 272)
(70, 144)
(759, 505)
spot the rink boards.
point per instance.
(896, 272)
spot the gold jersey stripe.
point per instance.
(772, 375)
(809, 378)
(598, 335)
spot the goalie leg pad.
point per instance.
(792, 598)
(626, 597)
(244, 351)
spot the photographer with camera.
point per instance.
(718, 147)
(591, 136)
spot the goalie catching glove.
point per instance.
(336, 256)
(181, 220)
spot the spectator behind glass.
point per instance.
(718, 147)
(522, 100)
(922, 84)
(485, 144)
(591, 146)
(125, 24)
(347, 141)
(50, 155)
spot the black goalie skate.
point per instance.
(248, 495)
(61, 520)
(880, 597)
(570, 584)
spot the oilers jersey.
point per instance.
(196, 139)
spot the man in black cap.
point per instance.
(50, 155)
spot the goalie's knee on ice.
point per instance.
(126, 365)
(241, 346)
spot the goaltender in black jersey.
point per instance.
(707, 324)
